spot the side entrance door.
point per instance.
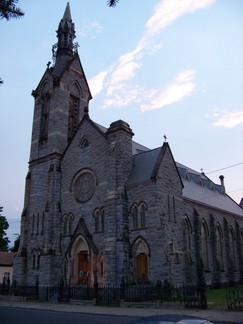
(141, 268)
(83, 267)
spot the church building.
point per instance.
(100, 207)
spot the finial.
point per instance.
(201, 170)
(165, 138)
(48, 64)
(67, 13)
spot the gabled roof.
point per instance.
(85, 118)
(6, 258)
(143, 166)
(199, 188)
(196, 186)
(147, 164)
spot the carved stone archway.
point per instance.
(140, 255)
(80, 264)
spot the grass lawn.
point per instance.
(216, 298)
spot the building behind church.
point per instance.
(99, 206)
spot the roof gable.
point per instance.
(6, 258)
(84, 120)
(199, 188)
(148, 164)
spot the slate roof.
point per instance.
(6, 258)
(143, 166)
(197, 186)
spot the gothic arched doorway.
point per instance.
(141, 268)
(81, 260)
(83, 267)
(140, 254)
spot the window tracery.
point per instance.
(99, 217)
(204, 245)
(138, 213)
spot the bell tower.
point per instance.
(62, 96)
(61, 100)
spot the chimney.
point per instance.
(221, 177)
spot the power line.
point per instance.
(228, 167)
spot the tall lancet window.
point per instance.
(219, 247)
(74, 103)
(44, 119)
(73, 116)
(204, 245)
(232, 249)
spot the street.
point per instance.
(10, 315)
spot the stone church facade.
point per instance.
(99, 206)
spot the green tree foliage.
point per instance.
(16, 244)
(112, 3)
(8, 9)
(4, 241)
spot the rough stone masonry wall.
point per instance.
(211, 217)
(163, 230)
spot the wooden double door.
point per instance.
(141, 268)
(83, 267)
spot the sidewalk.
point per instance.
(223, 316)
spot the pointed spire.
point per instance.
(67, 13)
(65, 34)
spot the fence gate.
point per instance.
(234, 297)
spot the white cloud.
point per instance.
(89, 29)
(124, 72)
(167, 11)
(96, 83)
(181, 87)
(120, 74)
(229, 119)
(125, 96)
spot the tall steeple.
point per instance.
(65, 48)
(62, 96)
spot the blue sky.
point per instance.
(164, 66)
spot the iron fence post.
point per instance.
(96, 287)
(122, 289)
(37, 287)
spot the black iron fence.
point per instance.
(234, 296)
(27, 292)
(188, 296)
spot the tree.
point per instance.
(112, 3)
(8, 10)
(16, 244)
(4, 241)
